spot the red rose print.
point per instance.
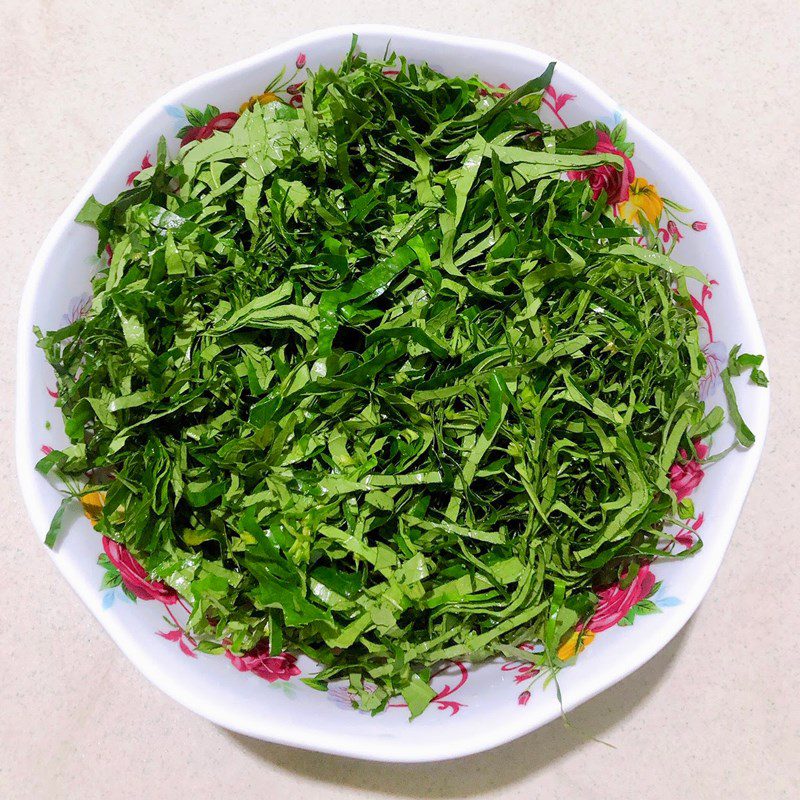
(134, 577)
(686, 474)
(270, 668)
(222, 122)
(615, 602)
(616, 183)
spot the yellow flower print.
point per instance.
(93, 505)
(579, 640)
(263, 99)
(644, 199)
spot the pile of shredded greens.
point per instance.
(370, 380)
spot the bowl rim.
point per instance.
(341, 743)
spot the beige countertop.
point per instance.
(715, 714)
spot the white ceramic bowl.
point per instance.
(479, 707)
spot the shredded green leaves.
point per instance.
(371, 380)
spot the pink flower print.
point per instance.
(301, 61)
(344, 696)
(700, 307)
(180, 636)
(523, 670)
(699, 225)
(440, 701)
(146, 164)
(557, 102)
(607, 178)
(134, 577)
(523, 698)
(672, 227)
(716, 352)
(222, 122)
(271, 668)
(615, 602)
(526, 673)
(701, 448)
(686, 474)
(498, 91)
(686, 538)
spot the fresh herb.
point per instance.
(369, 379)
(736, 365)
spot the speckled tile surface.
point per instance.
(717, 713)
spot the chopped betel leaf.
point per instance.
(377, 375)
